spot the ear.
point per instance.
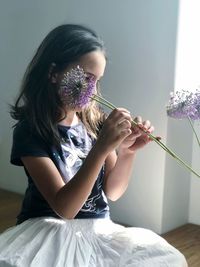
(52, 75)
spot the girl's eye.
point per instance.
(88, 78)
(91, 78)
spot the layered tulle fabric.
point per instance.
(50, 242)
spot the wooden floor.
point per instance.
(10, 204)
(185, 238)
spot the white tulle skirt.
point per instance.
(50, 242)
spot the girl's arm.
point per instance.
(117, 174)
(67, 199)
(119, 167)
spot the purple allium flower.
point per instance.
(184, 104)
(76, 88)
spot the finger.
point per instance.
(118, 116)
(134, 135)
(146, 124)
(118, 111)
(150, 129)
(125, 124)
(123, 110)
(125, 133)
(138, 120)
(147, 127)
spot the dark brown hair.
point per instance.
(38, 101)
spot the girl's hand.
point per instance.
(138, 138)
(116, 128)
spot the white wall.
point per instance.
(177, 178)
(187, 77)
(22, 26)
(141, 39)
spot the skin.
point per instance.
(117, 133)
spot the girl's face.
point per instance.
(87, 71)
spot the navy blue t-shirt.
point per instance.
(75, 145)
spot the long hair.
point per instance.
(39, 102)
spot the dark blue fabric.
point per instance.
(75, 145)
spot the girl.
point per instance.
(67, 147)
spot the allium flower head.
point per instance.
(76, 88)
(184, 104)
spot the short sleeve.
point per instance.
(26, 143)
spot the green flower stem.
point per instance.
(108, 104)
(195, 133)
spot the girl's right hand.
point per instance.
(115, 129)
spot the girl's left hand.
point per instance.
(138, 138)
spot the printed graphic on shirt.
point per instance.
(90, 205)
(76, 147)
